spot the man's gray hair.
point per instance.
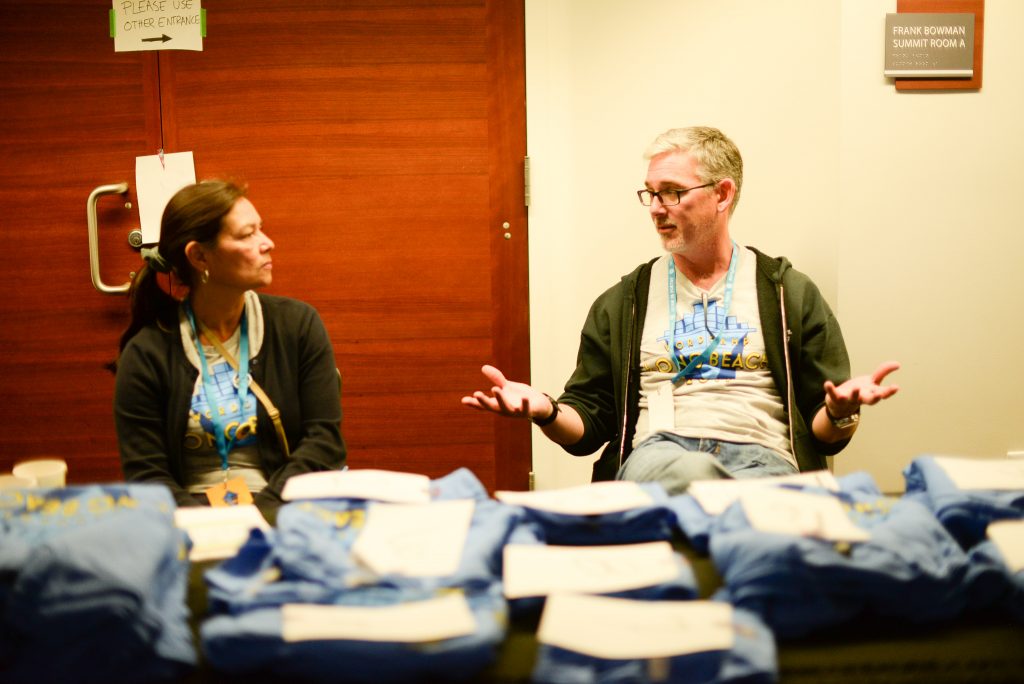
(716, 155)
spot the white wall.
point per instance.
(897, 204)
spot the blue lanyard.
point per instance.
(223, 445)
(705, 356)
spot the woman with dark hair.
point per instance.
(222, 394)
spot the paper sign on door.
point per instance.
(139, 25)
(157, 178)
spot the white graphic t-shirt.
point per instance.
(730, 398)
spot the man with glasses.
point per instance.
(711, 361)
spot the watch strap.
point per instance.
(845, 421)
(548, 420)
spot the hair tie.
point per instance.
(174, 288)
(151, 255)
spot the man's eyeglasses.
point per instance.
(668, 198)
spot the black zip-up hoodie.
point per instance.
(605, 387)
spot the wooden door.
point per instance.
(382, 143)
(73, 116)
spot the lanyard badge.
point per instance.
(232, 491)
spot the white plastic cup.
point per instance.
(47, 472)
(9, 481)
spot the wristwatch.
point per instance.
(548, 420)
(845, 421)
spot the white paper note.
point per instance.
(446, 617)
(590, 499)
(616, 628)
(714, 496)
(156, 181)
(218, 532)
(785, 511)
(140, 25)
(1008, 536)
(375, 485)
(975, 473)
(417, 540)
(539, 570)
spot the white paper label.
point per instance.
(218, 532)
(1008, 536)
(590, 499)
(784, 511)
(539, 570)
(416, 540)
(375, 485)
(976, 473)
(615, 628)
(441, 618)
(714, 496)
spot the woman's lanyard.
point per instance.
(223, 445)
(705, 356)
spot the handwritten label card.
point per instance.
(375, 485)
(975, 473)
(616, 628)
(218, 532)
(539, 570)
(591, 499)
(785, 511)
(714, 496)
(441, 618)
(138, 25)
(417, 540)
(1008, 536)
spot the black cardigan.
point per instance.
(296, 368)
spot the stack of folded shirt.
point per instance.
(695, 511)
(599, 640)
(1002, 554)
(93, 583)
(648, 571)
(892, 558)
(636, 512)
(372, 635)
(967, 494)
(608, 538)
(289, 601)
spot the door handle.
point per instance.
(94, 237)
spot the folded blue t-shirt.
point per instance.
(652, 522)
(751, 659)
(252, 643)
(695, 523)
(93, 584)
(965, 513)
(910, 568)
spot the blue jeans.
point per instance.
(676, 461)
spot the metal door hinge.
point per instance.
(526, 183)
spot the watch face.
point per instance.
(846, 421)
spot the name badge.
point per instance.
(230, 493)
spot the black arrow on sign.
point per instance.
(162, 39)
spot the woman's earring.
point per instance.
(205, 278)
